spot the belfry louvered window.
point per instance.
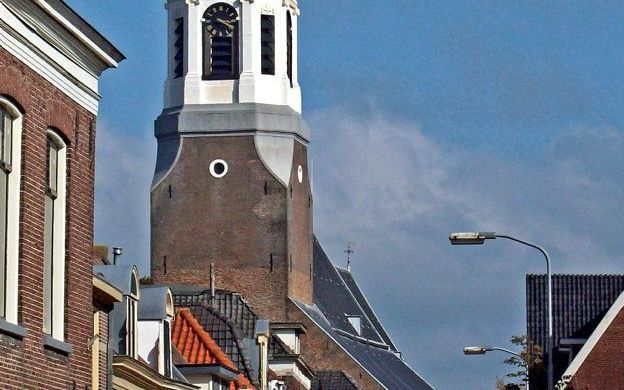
(178, 60)
(267, 24)
(289, 47)
(220, 37)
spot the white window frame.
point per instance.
(13, 214)
(58, 244)
(132, 338)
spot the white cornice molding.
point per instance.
(77, 33)
(47, 61)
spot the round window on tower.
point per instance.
(300, 174)
(218, 168)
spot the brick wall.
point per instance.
(603, 368)
(246, 223)
(26, 364)
(322, 353)
(300, 229)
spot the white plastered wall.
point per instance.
(149, 342)
(253, 86)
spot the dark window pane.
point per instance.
(2, 116)
(8, 139)
(289, 47)
(4, 178)
(48, 264)
(53, 167)
(179, 48)
(268, 43)
(167, 351)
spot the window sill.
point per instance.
(53, 344)
(12, 330)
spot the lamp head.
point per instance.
(475, 350)
(471, 238)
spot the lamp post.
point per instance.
(480, 350)
(478, 238)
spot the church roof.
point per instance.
(336, 300)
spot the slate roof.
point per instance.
(153, 304)
(334, 300)
(347, 277)
(227, 304)
(579, 303)
(198, 347)
(228, 332)
(332, 380)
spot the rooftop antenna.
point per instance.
(349, 252)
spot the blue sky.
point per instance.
(427, 117)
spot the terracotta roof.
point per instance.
(228, 319)
(198, 347)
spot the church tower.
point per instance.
(231, 185)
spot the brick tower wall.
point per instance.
(239, 222)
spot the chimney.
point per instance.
(116, 254)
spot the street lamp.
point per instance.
(478, 238)
(483, 350)
(480, 350)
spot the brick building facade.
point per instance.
(50, 62)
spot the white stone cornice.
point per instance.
(292, 4)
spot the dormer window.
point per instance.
(356, 323)
(289, 47)
(267, 37)
(220, 36)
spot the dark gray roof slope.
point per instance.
(332, 380)
(579, 304)
(228, 304)
(347, 277)
(336, 301)
(153, 305)
(332, 299)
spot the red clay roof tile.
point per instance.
(197, 346)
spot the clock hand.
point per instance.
(225, 23)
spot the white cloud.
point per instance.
(396, 192)
(124, 169)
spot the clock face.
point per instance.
(221, 20)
